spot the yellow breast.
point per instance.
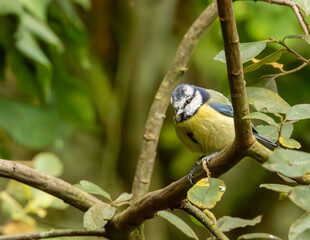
(207, 131)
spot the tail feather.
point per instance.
(264, 141)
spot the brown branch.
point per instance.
(55, 233)
(277, 75)
(203, 219)
(240, 105)
(170, 196)
(48, 184)
(161, 101)
(290, 50)
(301, 19)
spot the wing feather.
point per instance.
(228, 111)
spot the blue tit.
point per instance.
(204, 120)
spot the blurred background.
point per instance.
(77, 80)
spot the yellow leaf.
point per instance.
(289, 143)
(276, 65)
(255, 60)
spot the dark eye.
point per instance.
(188, 100)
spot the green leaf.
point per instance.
(269, 59)
(247, 51)
(299, 112)
(34, 127)
(36, 7)
(206, 192)
(261, 116)
(68, 8)
(280, 188)
(304, 37)
(264, 100)
(26, 43)
(258, 236)
(98, 215)
(268, 131)
(286, 179)
(227, 223)
(305, 235)
(299, 227)
(177, 222)
(124, 197)
(283, 196)
(289, 143)
(290, 163)
(10, 7)
(304, 5)
(48, 163)
(300, 195)
(287, 130)
(265, 82)
(40, 30)
(93, 189)
(86, 4)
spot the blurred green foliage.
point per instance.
(77, 80)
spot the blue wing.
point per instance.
(223, 109)
(228, 111)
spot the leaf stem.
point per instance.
(282, 43)
(203, 219)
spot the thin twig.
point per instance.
(55, 233)
(48, 184)
(161, 101)
(276, 75)
(295, 8)
(203, 219)
(282, 43)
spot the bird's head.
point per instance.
(186, 100)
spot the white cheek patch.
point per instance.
(193, 106)
(188, 90)
(179, 104)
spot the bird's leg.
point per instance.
(192, 171)
(205, 161)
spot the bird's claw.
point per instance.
(205, 162)
(192, 172)
(207, 159)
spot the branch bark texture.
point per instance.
(244, 136)
(48, 184)
(161, 101)
(55, 233)
(203, 219)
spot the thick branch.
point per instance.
(161, 101)
(55, 233)
(244, 136)
(48, 184)
(170, 196)
(203, 219)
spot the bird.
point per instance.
(203, 120)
